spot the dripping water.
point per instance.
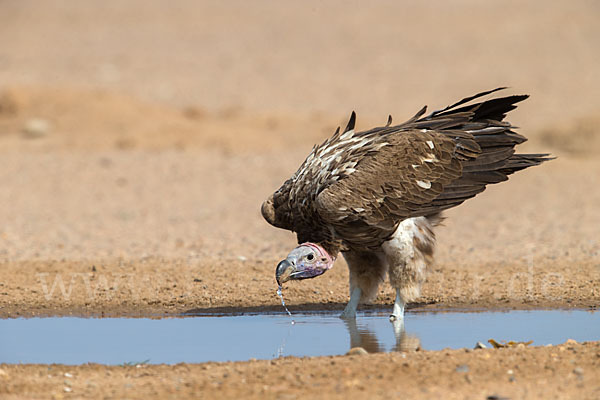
(280, 294)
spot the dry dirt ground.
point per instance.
(569, 370)
(137, 142)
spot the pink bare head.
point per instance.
(305, 261)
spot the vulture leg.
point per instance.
(398, 311)
(350, 310)
(367, 271)
(408, 253)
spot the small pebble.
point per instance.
(480, 345)
(36, 128)
(357, 351)
(68, 375)
(578, 371)
(67, 389)
(462, 368)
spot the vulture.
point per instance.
(376, 196)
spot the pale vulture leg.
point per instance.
(367, 271)
(398, 311)
(350, 310)
(408, 253)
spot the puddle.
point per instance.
(233, 338)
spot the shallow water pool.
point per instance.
(264, 336)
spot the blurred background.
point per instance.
(149, 128)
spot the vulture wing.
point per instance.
(394, 183)
(358, 186)
(427, 165)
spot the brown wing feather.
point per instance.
(390, 185)
(354, 188)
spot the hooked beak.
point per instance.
(284, 271)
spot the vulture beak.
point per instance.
(284, 271)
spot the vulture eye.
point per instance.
(310, 257)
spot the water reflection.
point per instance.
(362, 336)
(264, 336)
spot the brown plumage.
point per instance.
(355, 189)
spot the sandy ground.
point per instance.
(557, 372)
(157, 216)
(138, 142)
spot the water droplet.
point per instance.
(280, 294)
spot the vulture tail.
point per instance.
(496, 159)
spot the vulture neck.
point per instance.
(332, 248)
(330, 245)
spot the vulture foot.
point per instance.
(350, 310)
(398, 312)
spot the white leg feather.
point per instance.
(408, 253)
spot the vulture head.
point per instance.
(305, 261)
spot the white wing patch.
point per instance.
(323, 162)
(424, 184)
(430, 158)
